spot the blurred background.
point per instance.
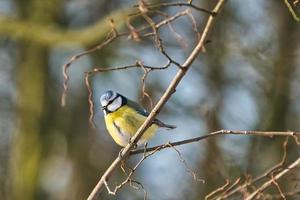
(248, 79)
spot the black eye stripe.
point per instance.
(109, 102)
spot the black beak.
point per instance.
(103, 107)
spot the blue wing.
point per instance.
(145, 113)
(138, 108)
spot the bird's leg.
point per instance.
(120, 153)
(123, 165)
(134, 146)
(145, 147)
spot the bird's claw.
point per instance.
(134, 146)
(120, 153)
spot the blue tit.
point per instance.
(124, 117)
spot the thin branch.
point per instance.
(188, 169)
(286, 194)
(129, 176)
(159, 24)
(161, 5)
(220, 132)
(109, 38)
(227, 188)
(220, 189)
(170, 90)
(143, 80)
(158, 41)
(262, 176)
(232, 186)
(170, 19)
(289, 6)
(194, 24)
(278, 187)
(138, 64)
(275, 178)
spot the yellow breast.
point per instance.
(123, 124)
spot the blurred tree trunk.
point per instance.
(213, 158)
(32, 75)
(274, 116)
(27, 141)
(211, 171)
(283, 69)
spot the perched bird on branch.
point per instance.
(124, 117)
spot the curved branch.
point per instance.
(170, 90)
(50, 36)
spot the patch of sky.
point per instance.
(255, 24)
(7, 85)
(7, 8)
(58, 57)
(239, 112)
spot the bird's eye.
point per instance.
(108, 97)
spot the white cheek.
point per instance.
(117, 103)
(105, 112)
(104, 103)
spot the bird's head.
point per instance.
(111, 101)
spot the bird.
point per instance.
(123, 117)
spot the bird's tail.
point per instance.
(162, 124)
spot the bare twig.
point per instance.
(214, 192)
(138, 64)
(223, 190)
(181, 41)
(90, 99)
(287, 194)
(110, 37)
(275, 178)
(161, 5)
(170, 90)
(232, 186)
(289, 6)
(220, 132)
(262, 176)
(188, 169)
(134, 34)
(143, 80)
(194, 24)
(129, 176)
(158, 41)
(278, 187)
